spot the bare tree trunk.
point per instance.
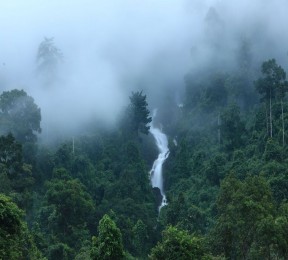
(219, 131)
(267, 120)
(283, 126)
(73, 145)
(271, 130)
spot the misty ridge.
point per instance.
(107, 49)
(143, 129)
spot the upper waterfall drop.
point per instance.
(156, 171)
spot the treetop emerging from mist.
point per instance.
(139, 113)
(48, 58)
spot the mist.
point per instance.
(113, 47)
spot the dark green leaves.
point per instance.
(19, 115)
(177, 244)
(138, 113)
(108, 244)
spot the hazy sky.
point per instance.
(113, 46)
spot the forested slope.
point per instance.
(90, 197)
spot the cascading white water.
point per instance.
(156, 171)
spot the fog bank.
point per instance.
(113, 47)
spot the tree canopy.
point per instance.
(138, 113)
(177, 244)
(19, 115)
(15, 240)
(108, 245)
(48, 59)
(226, 178)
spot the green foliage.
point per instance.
(16, 176)
(12, 228)
(140, 237)
(84, 252)
(281, 230)
(221, 129)
(63, 219)
(274, 79)
(72, 202)
(19, 115)
(214, 169)
(273, 85)
(176, 210)
(232, 128)
(207, 93)
(15, 240)
(245, 210)
(273, 151)
(10, 154)
(60, 251)
(138, 114)
(279, 186)
(177, 244)
(108, 244)
(215, 95)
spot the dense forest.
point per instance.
(87, 194)
(91, 197)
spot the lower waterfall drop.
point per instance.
(156, 171)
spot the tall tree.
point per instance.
(232, 128)
(140, 237)
(282, 88)
(273, 82)
(48, 58)
(108, 245)
(138, 114)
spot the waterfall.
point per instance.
(156, 171)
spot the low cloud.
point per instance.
(113, 47)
